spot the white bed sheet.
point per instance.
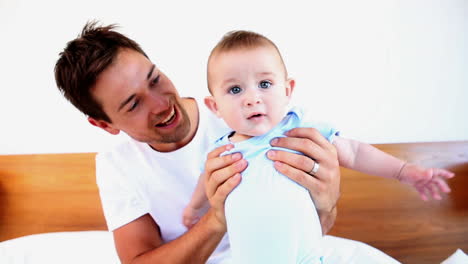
(98, 247)
(61, 247)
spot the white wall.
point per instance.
(381, 71)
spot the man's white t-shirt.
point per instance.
(135, 180)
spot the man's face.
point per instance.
(141, 101)
(249, 89)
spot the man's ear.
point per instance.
(290, 84)
(211, 104)
(104, 125)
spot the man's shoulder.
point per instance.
(123, 150)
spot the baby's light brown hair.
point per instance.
(241, 39)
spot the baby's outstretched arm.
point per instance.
(197, 205)
(370, 160)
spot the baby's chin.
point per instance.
(258, 132)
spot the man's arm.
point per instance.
(327, 219)
(140, 240)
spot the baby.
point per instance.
(271, 219)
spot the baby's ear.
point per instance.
(210, 102)
(290, 84)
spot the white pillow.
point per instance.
(61, 247)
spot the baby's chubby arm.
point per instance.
(365, 158)
(197, 205)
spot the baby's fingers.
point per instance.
(443, 173)
(422, 190)
(435, 191)
(442, 185)
(189, 223)
(427, 191)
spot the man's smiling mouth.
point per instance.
(168, 119)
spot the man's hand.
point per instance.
(323, 185)
(222, 176)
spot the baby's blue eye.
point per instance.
(264, 84)
(235, 90)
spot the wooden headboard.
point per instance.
(57, 192)
(48, 193)
(391, 216)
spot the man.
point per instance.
(145, 182)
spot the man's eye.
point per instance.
(134, 105)
(264, 84)
(155, 81)
(235, 90)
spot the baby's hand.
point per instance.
(428, 182)
(190, 216)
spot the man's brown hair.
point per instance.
(242, 39)
(84, 59)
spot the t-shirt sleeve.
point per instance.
(326, 129)
(120, 202)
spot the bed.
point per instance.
(50, 209)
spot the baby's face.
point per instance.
(250, 90)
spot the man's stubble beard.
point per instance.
(182, 131)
